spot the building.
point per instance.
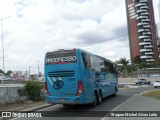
(18, 75)
(142, 30)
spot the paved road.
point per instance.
(108, 104)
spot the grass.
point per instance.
(154, 94)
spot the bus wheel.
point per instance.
(99, 98)
(95, 99)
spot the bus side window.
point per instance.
(86, 60)
(102, 66)
(112, 70)
(92, 63)
(95, 63)
(106, 66)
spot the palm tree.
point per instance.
(137, 60)
(124, 62)
(140, 63)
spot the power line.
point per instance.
(117, 37)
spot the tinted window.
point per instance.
(109, 67)
(86, 60)
(58, 57)
(95, 63)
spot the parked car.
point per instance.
(156, 84)
(142, 81)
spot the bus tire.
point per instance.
(99, 98)
(95, 99)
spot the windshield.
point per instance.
(61, 57)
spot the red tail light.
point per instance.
(46, 89)
(80, 88)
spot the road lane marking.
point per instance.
(107, 118)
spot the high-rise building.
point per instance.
(142, 30)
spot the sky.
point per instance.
(35, 27)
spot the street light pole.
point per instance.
(3, 44)
(2, 41)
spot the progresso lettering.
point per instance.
(61, 59)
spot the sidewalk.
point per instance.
(137, 103)
(27, 106)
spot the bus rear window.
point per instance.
(61, 57)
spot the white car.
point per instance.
(156, 84)
(142, 81)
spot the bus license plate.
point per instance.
(62, 99)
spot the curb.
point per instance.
(146, 92)
(38, 108)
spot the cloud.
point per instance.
(38, 26)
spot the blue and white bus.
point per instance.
(75, 76)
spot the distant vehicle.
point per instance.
(156, 84)
(8, 78)
(142, 81)
(2, 77)
(75, 76)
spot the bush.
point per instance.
(33, 90)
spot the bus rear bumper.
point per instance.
(65, 100)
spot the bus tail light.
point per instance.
(80, 88)
(46, 89)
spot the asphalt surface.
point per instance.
(138, 106)
(108, 104)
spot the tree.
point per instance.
(158, 61)
(137, 60)
(33, 90)
(1, 72)
(8, 73)
(140, 63)
(124, 63)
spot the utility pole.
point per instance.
(2, 41)
(3, 44)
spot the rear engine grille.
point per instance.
(61, 73)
